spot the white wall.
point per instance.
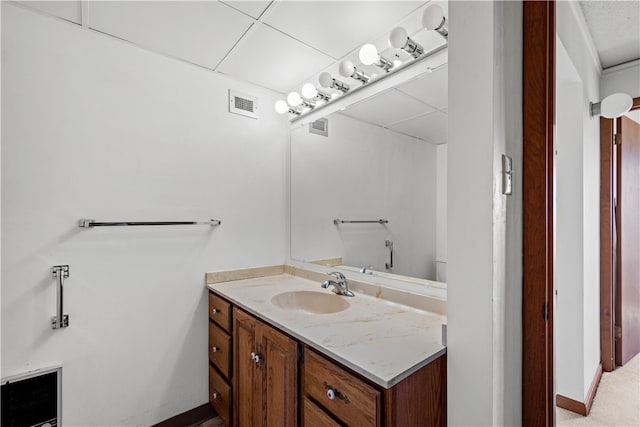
(569, 229)
(362, 171)
(583, 263)
(96, 128)
(441, 202)
(484, 227)
(622, 78)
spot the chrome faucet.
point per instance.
(365, 270)
(340, 286)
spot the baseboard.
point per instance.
(577, 406)
(190, 418)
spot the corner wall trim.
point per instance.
(577, 406)
(190, 418)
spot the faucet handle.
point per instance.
(338, 275)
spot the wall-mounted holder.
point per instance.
(60, 272)
(389, 244)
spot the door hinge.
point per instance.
(617, 140)
(545, 311)
(618, 332)
(300, 354)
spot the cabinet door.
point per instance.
(280, 372)
(247, 382)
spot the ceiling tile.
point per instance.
(201, 32)
(69, 10)
(431, 88)
(252, 8)
(614, 29)
(388, 107)
(431, 127)
(337, 27)
(271, 59)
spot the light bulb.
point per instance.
(309, 91)
(434, 19)
(397, 63)
(294, 99)
(368, 54)
(398, 38)
(347, 68)
(325, 80)
(281, 107)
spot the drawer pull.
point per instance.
(214, 310)
(332, 393)
(215, 395)
(214, 349)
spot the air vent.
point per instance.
(242, 104)
(320, 127)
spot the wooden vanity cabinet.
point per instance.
(332, 394)
(265, 374)
(254, 377)
(220, 350)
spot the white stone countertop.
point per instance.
(382, 340)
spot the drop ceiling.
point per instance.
(279, 45)
(615, 29)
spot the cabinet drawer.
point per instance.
(348, 398)
(220, 311)
(313, 416)
(220, 349)
(219, 395)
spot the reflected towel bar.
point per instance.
(88, 223)
(360, 221)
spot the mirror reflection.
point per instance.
(369, 194)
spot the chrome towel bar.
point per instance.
(89, 223)
(360, 221)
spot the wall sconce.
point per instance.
(329, 82)
(347, 69)
(282, 107)
(612, 106)
(369, 55)
(399, 39)
(434, 19)
(309, 91)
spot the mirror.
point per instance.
(383, 161)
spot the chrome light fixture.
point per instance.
(434, 19)
(369, 55)
(612, 106)
(399, 39)
(329, 82)
(295, 100)
(310, 92)
(347, 69)
(282, 107)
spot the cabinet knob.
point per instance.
(331, 394)
(214, 310)
(214, 349)
(215, 395)
(255, 357)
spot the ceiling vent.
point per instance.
(242, 104)
(320, 127)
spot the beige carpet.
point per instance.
(617, 401)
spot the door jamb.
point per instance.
(539, 32)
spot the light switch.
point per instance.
(507, 175)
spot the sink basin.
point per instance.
(310, 302)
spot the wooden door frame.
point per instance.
(607, 211)
(539, 34)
